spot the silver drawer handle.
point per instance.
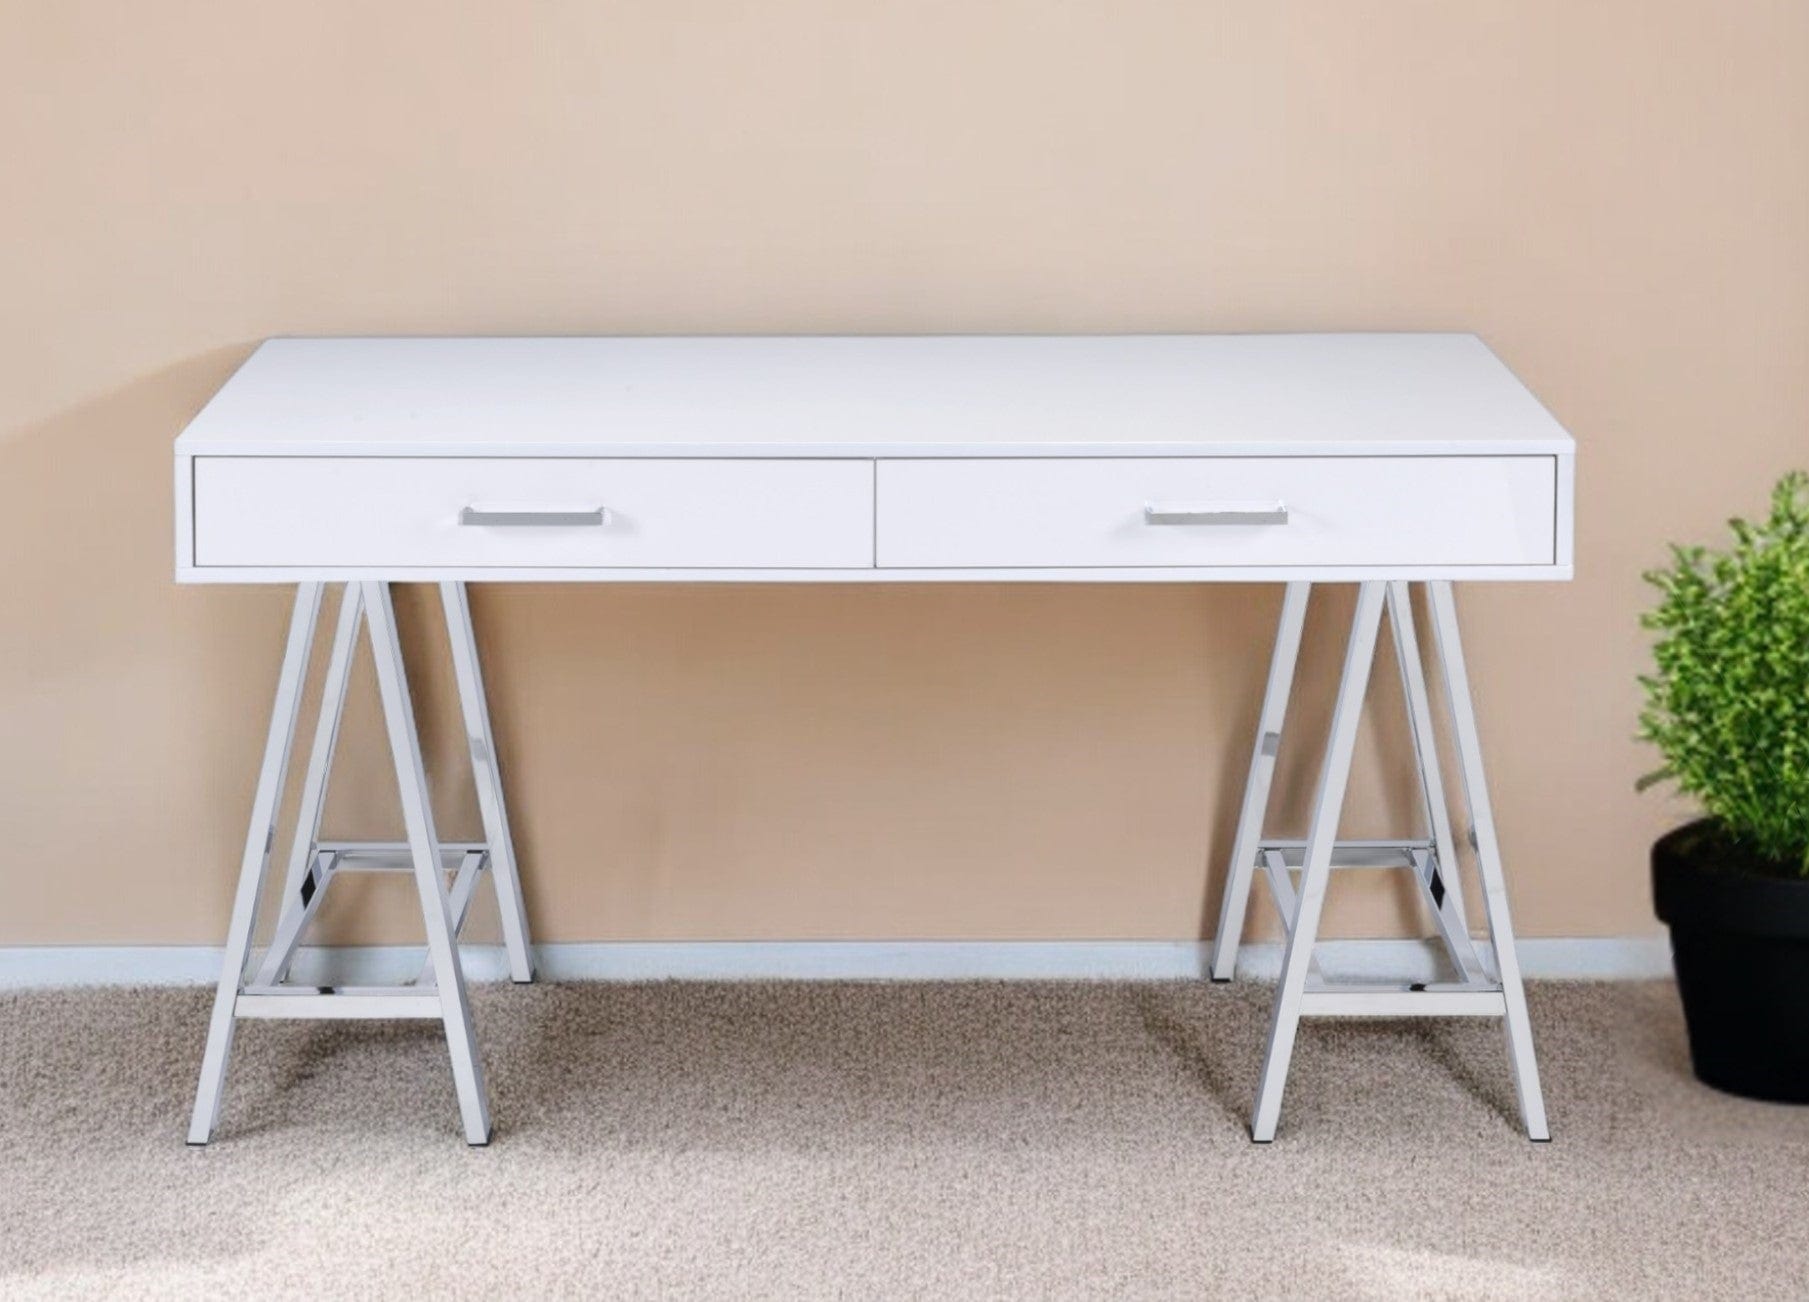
(533, 516)
(1215, 513)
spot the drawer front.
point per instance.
(1322, 512)
(391, 512)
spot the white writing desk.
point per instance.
(1385, 461)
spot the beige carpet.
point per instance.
(932, 1141)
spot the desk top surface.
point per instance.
(880, 396)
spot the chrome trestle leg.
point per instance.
(439, 993)
(1487, 980)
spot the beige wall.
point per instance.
(1614, 194)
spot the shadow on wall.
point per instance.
(121, 701)
(136, 709)
(704, 762)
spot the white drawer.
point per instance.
(474, 512)
(1075, 513)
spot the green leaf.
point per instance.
(1727, 704)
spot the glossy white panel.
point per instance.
(1326, 513)
(1034, 395)
(401, 513)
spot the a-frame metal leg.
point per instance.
(1438, 870)
(1488, 979)
(259, 837)
(486, 771)
(1334, 776)
(1488, 858)
(424, 848)
(1236, 900)
(439, 992)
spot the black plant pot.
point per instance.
(1740, 941)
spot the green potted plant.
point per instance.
(1727, 706)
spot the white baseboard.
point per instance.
(1612, 958)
